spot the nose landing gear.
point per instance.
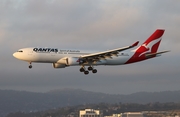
(30, 66)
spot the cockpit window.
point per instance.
(20, 51)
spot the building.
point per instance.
(90, 113)
(128, 114)
(133, 114)
(114, 115)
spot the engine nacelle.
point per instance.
(69, 61)
(57, 65)
(72, 61)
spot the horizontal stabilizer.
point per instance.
(154, 54)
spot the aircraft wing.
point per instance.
(105, 54)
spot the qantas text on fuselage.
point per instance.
(61, 58)
(48, 50)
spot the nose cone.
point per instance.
(15, 55)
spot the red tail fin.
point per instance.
(149, 46)
(152, 43)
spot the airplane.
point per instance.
(61, 58)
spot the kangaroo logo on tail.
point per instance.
(149, 46)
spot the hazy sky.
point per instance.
(89, 24)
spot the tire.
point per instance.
(90, 68)
(86, 72)
(30, 66)
(81, 69)
(94, 71)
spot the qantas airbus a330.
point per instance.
(61, 58)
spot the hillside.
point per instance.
(13, 101)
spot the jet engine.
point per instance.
(69, 61)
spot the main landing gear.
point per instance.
(90, 68)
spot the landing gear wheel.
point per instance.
(81, 69)
(30, 66)
(90, 68)
(94, 71)
(86, 72)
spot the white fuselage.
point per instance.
(29, 55)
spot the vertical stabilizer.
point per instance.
(151, 45)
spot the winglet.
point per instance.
(135, 44)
